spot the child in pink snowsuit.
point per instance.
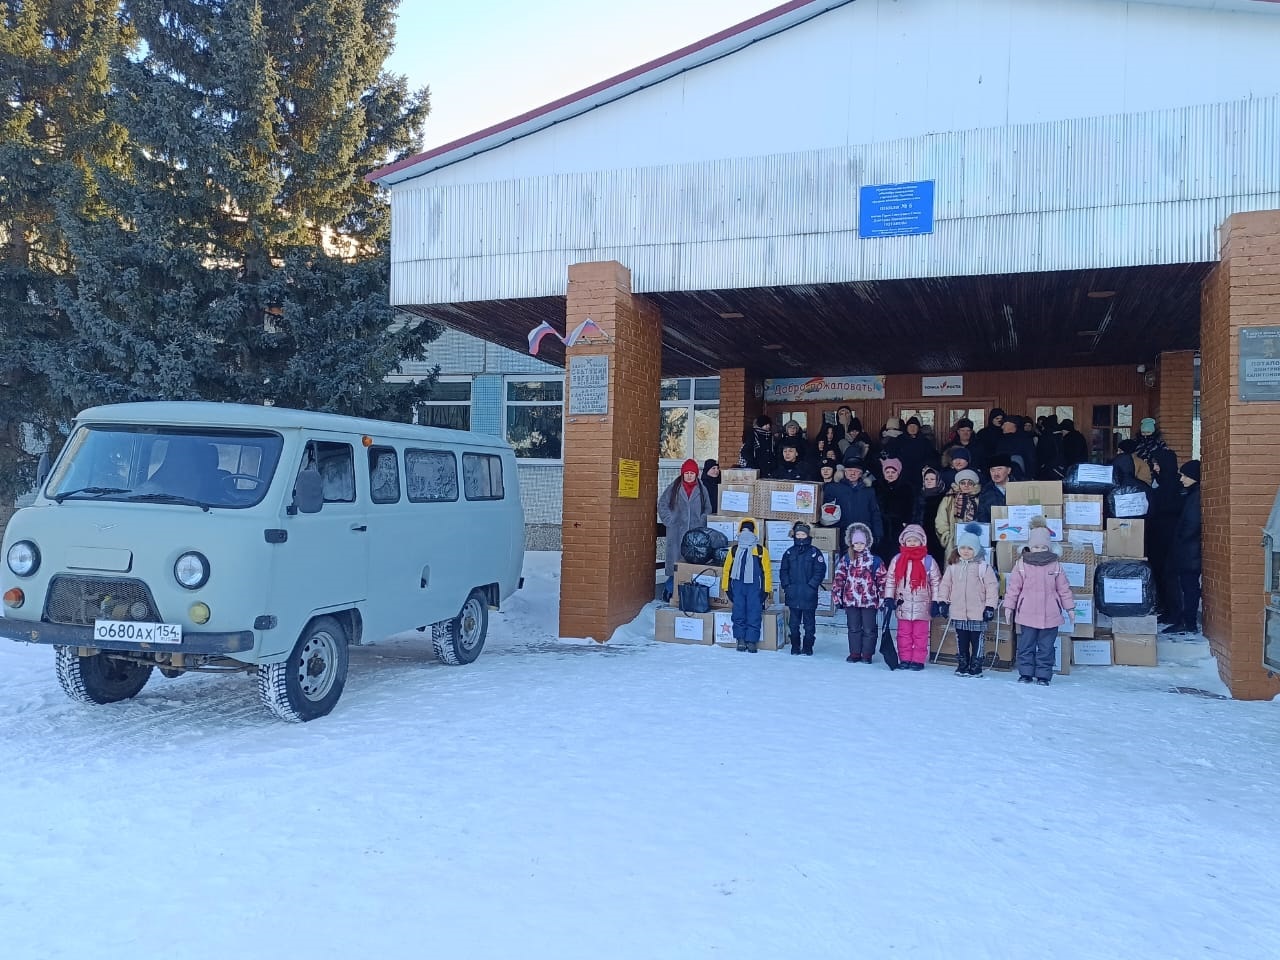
(911, 589)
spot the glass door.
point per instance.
(1112, 422)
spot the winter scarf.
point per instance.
(913, 566)
(689, 467)
(965, 507)
(1041, 559)
(744, 569)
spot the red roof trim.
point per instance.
(603, 85)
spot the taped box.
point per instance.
(1094, 538)
(1091, 653)
(785, 500)
(1126, 538)
(772, 629)
(736, 498)
(672, 626)
(1082, 511)
(1133, 650)
(1083, 626)
(729, 525)
(706, 574)
(1012, 524)
(826, 539)
(1026, 493)
(739, 475)
(1078, 562)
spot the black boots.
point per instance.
(795, 648)
(808, 648)
(962, 666)
(975, 666)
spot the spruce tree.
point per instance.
(54, 128)
(247, 258)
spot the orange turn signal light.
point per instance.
(14, 597)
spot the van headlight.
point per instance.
(24, 558)
(191, 570)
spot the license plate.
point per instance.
(135, 632)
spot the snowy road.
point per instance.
(640, 800)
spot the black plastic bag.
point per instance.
(1128, 501)
(1124, 588)
(700, 544)
(1072, 483)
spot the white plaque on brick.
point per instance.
(588, 385)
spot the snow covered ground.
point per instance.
(640, 800)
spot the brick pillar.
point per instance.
(609, 542)
(739, 406)
(1239, 443)
(1175, 400)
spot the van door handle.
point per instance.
(359, 527)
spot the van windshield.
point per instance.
(204, 468)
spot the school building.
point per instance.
(920, 206)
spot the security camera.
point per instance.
(1142, 368)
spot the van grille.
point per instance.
(81, 600)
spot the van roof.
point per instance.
(199, 413)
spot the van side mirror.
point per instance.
(42, 469)
(308, 492)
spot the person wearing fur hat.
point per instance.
(968, 596)
(746, 579)
(1037, 599)
(897, 499)
(999, 471)
(911, 586)
(858, 589)
(959, 506)
(801, 574)
(856, 499)
(964, 438)
(1185, 553)
(683, 506)
(892, 431)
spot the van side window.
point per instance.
(384, 475)
(431, 475)
(337, 466)
(482, 476)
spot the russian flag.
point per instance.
(538, 333)
(587, 328)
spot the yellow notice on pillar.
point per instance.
(629, 479)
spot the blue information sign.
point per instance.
(895, 209)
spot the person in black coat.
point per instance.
(1185, 552)
(992, 492)
(856, 500)
(1019, 446)
(933, 488)
(984, 443)
(1049, 454)
(793, 466)
(801, 575)
(711, 480)
(1165, 500)
(915, 451)
(1075, 448)
(898, 500)
(757, 448)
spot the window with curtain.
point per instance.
(535, 417)
(689, 421)
(449, 406)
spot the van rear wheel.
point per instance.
(99, 678)
(461, 639)
(309, 683)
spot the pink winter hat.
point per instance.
(1040, 535)
(912, 530)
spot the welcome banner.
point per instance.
(800, 390)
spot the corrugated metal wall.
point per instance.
(1121, 190)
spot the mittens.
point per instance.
(988, 614)
(944, 609)
(935, 609)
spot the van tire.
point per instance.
(461, 639)
(309, 683)
(99, 679)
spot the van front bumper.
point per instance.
(72, 635)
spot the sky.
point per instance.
(489, 60)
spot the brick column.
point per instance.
(1240, 450)
(739, 406)
(1175, 400)
(609, 542)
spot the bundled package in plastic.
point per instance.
(701, 543)
(1124, 588)
(1093, 479)
(1128, 500)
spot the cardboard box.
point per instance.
(773, 632)
(1083, 511)
(1013, 523)
(1078, 563)
(1094, 538)
(738, 475)
(729, 525)
(826, 539)
(736, 499)
(672, 626)
(1134, 626)
(1084, 619)
(1091, 653)
(785, 500)
(826, 603)
(1134, 650)
(706, 573)
(1007, 553)
(1126, 538)
(1061, 655)
(777, 533)
(1025, 493)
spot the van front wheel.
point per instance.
(309, 683)
(99, 678)
(461, 639)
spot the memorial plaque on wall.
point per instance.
(1260, 364)
(588, 385)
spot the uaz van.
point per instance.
(224, 537)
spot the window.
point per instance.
(431, 476)
(384, 475)
(482, 476)
(977, 414)
(1112, 422)
(535, 417)
(337, 467)
(927, 416)
(1063, 411)
(449, 406)
(689, 421)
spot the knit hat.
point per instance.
(959, 453)
(1040, 535)
(689, 466)
(1067, 424)
(967, 475)
(913, 420)
(964, 422)
(1147, 426)
(860, 532)
(893, 462)
(912, 530)
(970, 535)
(1191, 469)
(800, 527)
(893, 423)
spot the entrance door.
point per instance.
(976, 411)
(1112, 422)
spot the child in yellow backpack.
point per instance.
(747, 580)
